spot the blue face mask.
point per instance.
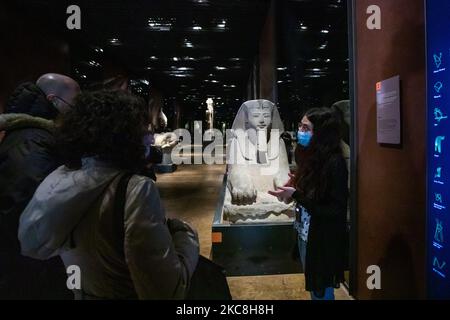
(304, 138)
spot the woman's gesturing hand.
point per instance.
(290, 182)
(284, 194)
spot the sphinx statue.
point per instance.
(257, 162)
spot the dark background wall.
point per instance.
(391, 181)
(27, 50)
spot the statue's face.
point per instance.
(259, 119)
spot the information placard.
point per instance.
(388, 111)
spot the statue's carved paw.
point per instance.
(243, 196)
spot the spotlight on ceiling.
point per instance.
(196, 27)
(221, 24)
(303, 27)
(201, 2)
(323, 46)
(183, 68)
(114, 41)
(93, 63)
(220, 68)
(187, 44)
(161, 24)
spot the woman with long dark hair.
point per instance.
(319, 187)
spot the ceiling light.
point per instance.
(180, 75)
(196, 27)
(175, 58)
(221, 24)
(323, 46)
(92, 63)
(160, 24)
(187, 44)
(114, 41)
(153, 58)
(282, 68)
(325, 31)
(220, 68)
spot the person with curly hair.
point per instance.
(99, 214)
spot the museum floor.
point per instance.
(191, 193)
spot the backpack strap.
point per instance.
(119, 208)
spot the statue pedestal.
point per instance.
(166, 166)
(248, 248)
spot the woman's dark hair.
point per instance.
(314, 161)
(344, 127)
(106, 124)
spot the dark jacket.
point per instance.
(72, 215)
(27, 156)
(327, 238)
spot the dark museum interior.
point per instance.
(201, 62)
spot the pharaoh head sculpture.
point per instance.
(258, 114)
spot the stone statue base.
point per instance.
(263, 211)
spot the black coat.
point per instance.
(327, 238)
(27, 156)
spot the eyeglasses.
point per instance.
(70, 105)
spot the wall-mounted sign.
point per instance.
(388, 111)
(438, 154)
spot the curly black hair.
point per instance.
(106, 124)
